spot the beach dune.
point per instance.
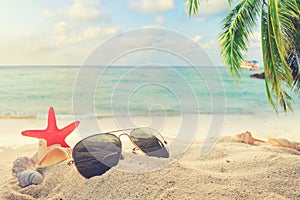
(231, 171)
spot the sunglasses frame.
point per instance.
(164, 142)
(111, 133)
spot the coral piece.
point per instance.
(247, 138)
(52, 134)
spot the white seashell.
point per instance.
(30, 177)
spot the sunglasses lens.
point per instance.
(147, 140)
(94, 155)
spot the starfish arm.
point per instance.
(51, 119)
(69, 129)
(52, 134)
(33, 133)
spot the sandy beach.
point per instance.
(231, 170)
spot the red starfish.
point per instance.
(52, 134)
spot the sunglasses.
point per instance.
(96, 154)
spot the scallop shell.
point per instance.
(21, 164)
(30, 177)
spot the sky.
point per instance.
(55, 32)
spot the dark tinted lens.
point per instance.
(146, 140)
(96, 154)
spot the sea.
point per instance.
(29, 91)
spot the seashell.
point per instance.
(21, 164)
(247, 138)
(30, 177)
(53, 156)
(282, 142)
(42, 150)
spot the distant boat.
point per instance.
(250, 65)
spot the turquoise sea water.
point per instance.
(28, 91)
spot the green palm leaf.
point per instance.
(278, 73)
(193, 6)
(280, 32)
(234, 38)
(274, 61)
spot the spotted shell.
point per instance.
(30, 177)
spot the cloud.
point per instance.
(97, 32)
(212, 44)
(213, 7)
(38, 46)
(77, 24)
(60, 28)
(47, 14)
(66, 37)
(151, 6)
(197, 38)
(62, 34)
(83, 10)
(160, 20)
(35, 43)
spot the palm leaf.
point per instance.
(278, 74)
(294, 53)
(280, 43)
(193, 6)
(287, 12)
(234, 38)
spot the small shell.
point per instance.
(21, 164)
(30, 177)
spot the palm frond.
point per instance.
(278, 74)
(294, 53)
(229, 2)
(287, 12)
(193, 6)
(234, 38)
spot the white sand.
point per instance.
(231, 170)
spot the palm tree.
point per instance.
(280, 32)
